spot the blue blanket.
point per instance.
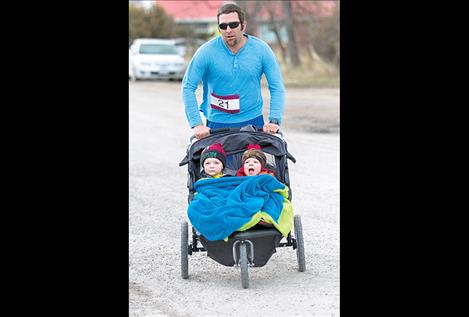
(224, 205)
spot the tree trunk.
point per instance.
(273, 27)
(251, 11)
(292, 47)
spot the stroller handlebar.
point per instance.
(221, 130)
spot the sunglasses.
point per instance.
(232, 25)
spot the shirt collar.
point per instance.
(228, 50)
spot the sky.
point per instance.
(146, 3)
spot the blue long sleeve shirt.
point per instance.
(226, 74)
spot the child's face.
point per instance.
(212, 166)
(252, 166)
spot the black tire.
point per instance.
(184, 250)
(243, 263)
(300, 245)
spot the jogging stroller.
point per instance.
(255, 246)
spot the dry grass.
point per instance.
(315, 74)
(310, 76)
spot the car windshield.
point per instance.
(157, 49)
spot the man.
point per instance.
(230, 68)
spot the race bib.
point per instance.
(229, 104)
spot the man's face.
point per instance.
(231, 36)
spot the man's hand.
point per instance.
(271, 128)
(201, 131)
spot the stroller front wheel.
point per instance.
(243, 263)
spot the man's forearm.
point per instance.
(191, 107)
(277, 104)
(277, 91)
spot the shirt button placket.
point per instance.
(235, 64)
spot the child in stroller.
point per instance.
(213, 160)
(254, 162)
(255, 246)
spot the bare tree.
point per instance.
(275, 28)
(152, 22)
(326, 38)
(251, 9)
(292, 47)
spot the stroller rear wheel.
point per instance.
(300, 245)
(184, 250)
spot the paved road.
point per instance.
(158, 202)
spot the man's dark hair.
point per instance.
(228, 8)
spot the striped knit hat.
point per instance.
(254, 150)
(215, 151)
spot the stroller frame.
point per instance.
(255, 246)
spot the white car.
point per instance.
(155, 58)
